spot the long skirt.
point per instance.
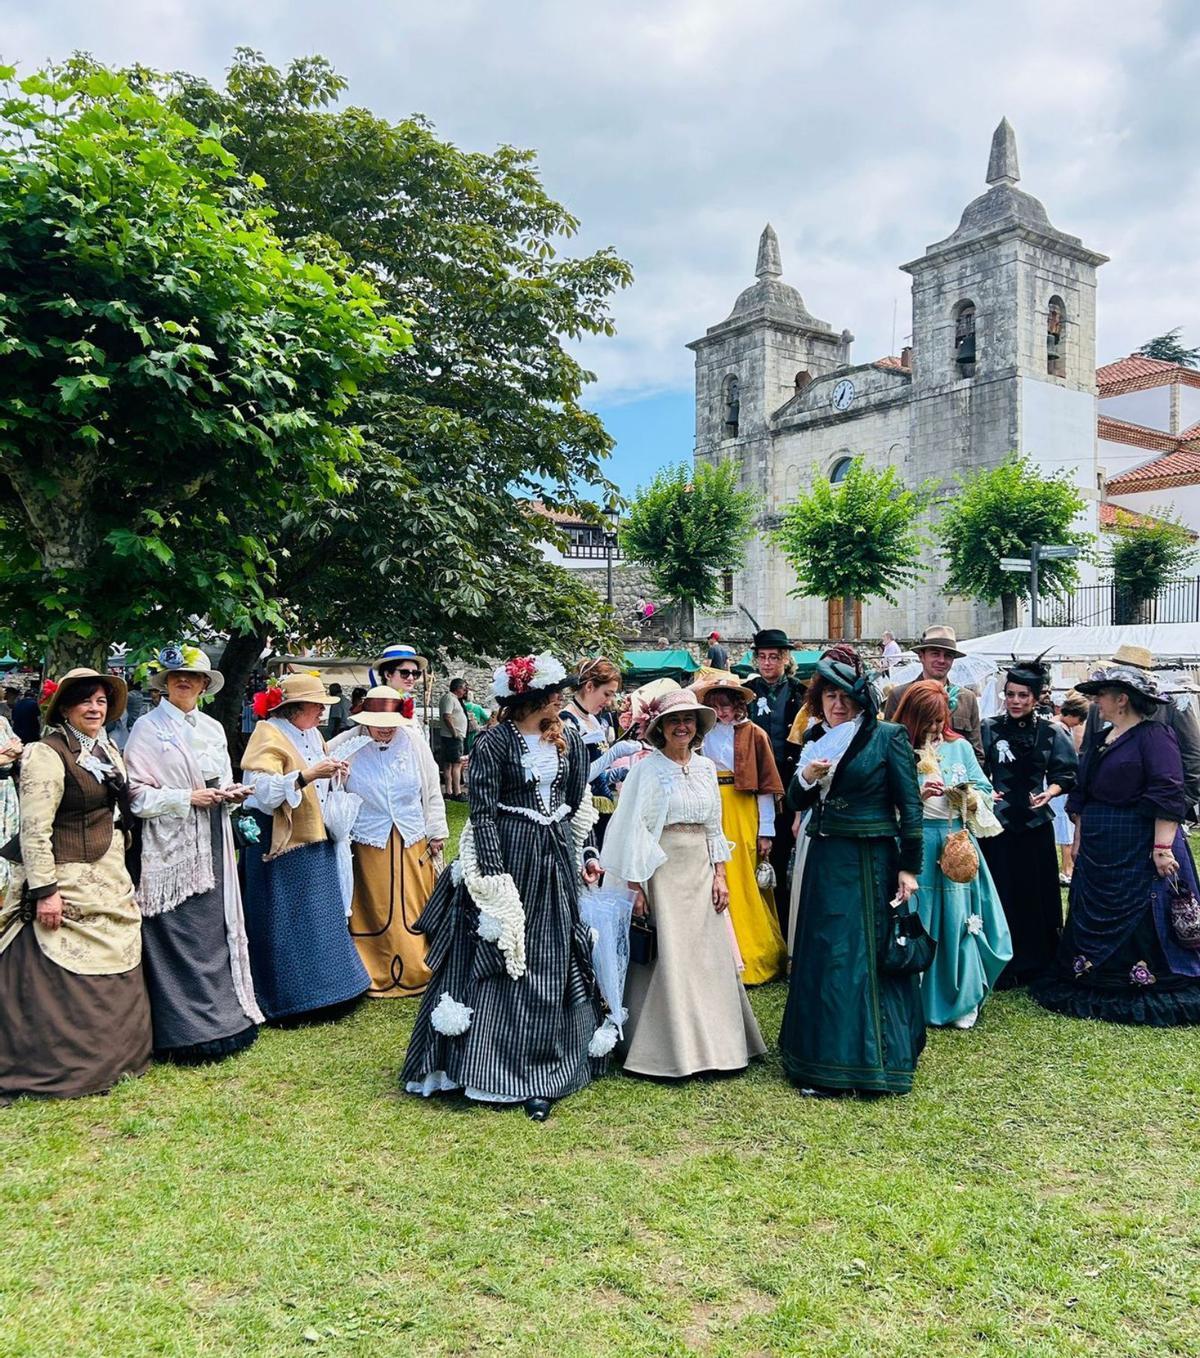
(688, 1012)
(1119, 960)
(63, 1035)
(967, 921)
(847, 1026)
(301, 953)
(185, 952)
(524, 1038)
(752, 910)
(1024, 868)
(392, 886)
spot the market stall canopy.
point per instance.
(640, 667)
(805, 661)
(1169, 643)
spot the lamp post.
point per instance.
(612, 516)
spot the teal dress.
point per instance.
(966, 918)
(847, 1026)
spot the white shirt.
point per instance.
(543, 760)
(388, 780)
(271, 790)
(718, 746)
(205, 738)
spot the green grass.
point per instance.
(1036, 1195)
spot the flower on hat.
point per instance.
(525, 674)
(171, 657)
(267, 700)
(192, 655)
(49, 689)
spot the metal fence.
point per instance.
(591, 551)
(1105, 605)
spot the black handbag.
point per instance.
(643, 941)
(907, 948)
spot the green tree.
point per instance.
(480, 415)
(1003, 512)
(174, 377)
(858, 539)
(688, 526)
(1145, 554)
(1170, 349)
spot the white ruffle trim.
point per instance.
(604, 1039)
(501, 913)
(450, 1018)
(582, 824)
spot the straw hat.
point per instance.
(186, 660)
(384, 707)
(304, 688)
(683, 703)
(393, 655)
(722, 681)
(1138, 656)
(941, 637)
(114, 686)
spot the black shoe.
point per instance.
(537, 1110)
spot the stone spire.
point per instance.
(1002, 163)
(769, 264)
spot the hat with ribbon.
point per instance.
(1140, 657)
(772, 639)
(1127, 678)
(295, 688)
(186, 660)
(383, 706)
(852, 680)
(939, 637)
(681, 704)
(66, 694)
(721, 681)
(393, 655)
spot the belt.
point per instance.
(539, 817)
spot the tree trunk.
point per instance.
(687, 619)
(849, 631)
(1008, 606)
(238, 660)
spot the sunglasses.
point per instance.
(406, 674)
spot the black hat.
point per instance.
(772, 639)
(1030, 674)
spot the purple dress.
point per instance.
(1119, 959)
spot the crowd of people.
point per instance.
(886, 852)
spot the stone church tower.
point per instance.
(1002, 359)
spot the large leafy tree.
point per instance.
(1145, 555)
(1002, 512)
(482, 413)
(858, 539)
(686, 527)
(1171, 349)
(174, 376)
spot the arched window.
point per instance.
(964, 339)
(841, 468)
(731, 403)
(803, 378)
(1056, 338)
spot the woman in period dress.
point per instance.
(74, 1018)
(512, 1013)
(597, 684)
(304, 962)
(397, 839)
(848, 1026)
(749, 784)
(401, 668)
(194, 946)
(1120, 959)
(688, 1012)
(965, 919)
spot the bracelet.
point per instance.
(301, 781)
(1163, 846)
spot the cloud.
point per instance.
(675, 128)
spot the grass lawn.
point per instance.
(1036, 1195)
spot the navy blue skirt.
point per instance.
(301, 953)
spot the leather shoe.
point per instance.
(537, 1109)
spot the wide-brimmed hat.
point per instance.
(383, 706)
(1139, 657)
(526, 674)
(114, 685)
(1125, 677)
(939, 636)
(393, 655)
(186, 660)
(675, 705)
(771, 639)
(722, 681)
(305, 688)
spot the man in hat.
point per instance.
(938, 650)
(1181, 720)
(718, 655)
(779, 696)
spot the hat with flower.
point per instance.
(186, 660)
(527, 674)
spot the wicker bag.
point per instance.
(960, 858)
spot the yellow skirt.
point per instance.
(391, 887)
(752, 910)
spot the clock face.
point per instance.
(843, 394)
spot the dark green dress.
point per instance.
(847, 1027)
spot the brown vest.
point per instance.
(753, 763)
(83, 824)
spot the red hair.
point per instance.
(923, 705)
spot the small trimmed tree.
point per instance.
(1003, 512)
(1145, 555)
(686, 527)
(858, 539)
(1170, 349)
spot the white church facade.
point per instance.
(1002, 359)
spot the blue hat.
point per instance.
(392, 655)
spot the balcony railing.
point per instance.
(1104, 605)
(591, 551)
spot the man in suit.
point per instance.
(938, 650)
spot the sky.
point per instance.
(675, 129)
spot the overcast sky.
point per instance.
(675, 128)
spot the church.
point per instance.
(1002, 359)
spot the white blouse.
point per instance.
(271, 790)
(718, 746)
(388, 780)
(205, 738)
(542, 759)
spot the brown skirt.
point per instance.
(391, 887)
(63, 1035)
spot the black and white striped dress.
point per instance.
(527, 1038)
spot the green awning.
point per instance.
(641, 667)
(805, 661)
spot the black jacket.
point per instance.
(786, 754)
(1187, 732)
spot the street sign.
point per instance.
(1015, 563)
(1058, 553)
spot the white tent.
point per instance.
(1171, 643)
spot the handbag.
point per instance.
(907, 947)
(764, 875)
(643, 941)
(1183, 912)
(959, 858)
